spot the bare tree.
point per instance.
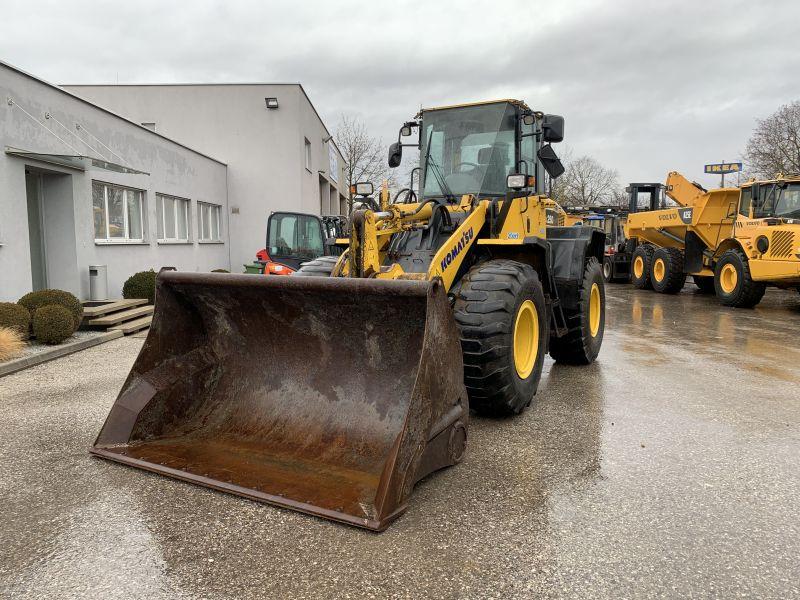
(774, 146)
(586, 183)
(365, 157)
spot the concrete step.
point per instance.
(121, 316)
(133, 326)
(92, 309)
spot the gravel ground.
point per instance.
(33, 347)
(667, 469)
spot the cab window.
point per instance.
(745, 201)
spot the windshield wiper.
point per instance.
(437, 173)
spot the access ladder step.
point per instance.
(119, 317)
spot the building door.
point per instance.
(36, 234)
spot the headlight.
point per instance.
(517, 181)
(762, 243)
(363, 188)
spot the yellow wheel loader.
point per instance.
(335, 390)
(733, 242)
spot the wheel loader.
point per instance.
(733, 241)
(335, 390)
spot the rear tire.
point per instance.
(586, 322)
(319, 267)
(704, 283)
(641, 262)
(734, 284)
(666, 274)
(503, 320)
(608, 269)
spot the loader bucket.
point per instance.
(330, 396)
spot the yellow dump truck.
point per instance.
(732, 241)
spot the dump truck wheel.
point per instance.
(586, 322)
(734, 284)
(666, 275)
(608, 269)
(704, 283)
(640, 266)
(319, 267)
(504, 324)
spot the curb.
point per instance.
(19, 364)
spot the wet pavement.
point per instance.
(667, 469)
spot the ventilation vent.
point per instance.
(781, 246)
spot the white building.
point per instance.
(279, 153)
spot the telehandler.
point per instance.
(335, 390)
(732, 241)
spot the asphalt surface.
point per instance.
(667, 469)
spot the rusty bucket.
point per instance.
(329, 396)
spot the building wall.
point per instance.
(264, 149)
(69, 228)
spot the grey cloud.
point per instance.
(645, 87)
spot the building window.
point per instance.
(118, 213)
(308, 155)
(173, 218)
(208, 220)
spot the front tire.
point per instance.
(503, 320)
(585, 322)
(667, 275)
(641, 264)
(734, 284)
(608, 269)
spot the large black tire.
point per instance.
(704, 283)
(608, 269)
(640, 273)
(666, 272)
(581, 344)
(488, 309)
(739, 291)
(319, 267)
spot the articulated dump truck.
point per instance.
(335, 390)
(733, 241)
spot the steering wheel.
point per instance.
(469, 164)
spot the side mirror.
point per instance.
(395, 154)
(550, 161)
(553, 128)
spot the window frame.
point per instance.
(177, 200)
(307, 154)
(215, 209)
(126, 239)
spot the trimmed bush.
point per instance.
(52, 324)
(36, 300)
(11, 343)
(17, 317)
(220, 271)
(141, 285)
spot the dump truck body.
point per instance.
(335, 390)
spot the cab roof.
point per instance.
(780, 177)
(518, 103)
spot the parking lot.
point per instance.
(667, 468)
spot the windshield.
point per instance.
(294, 235)
(468, 150)
(788, 204)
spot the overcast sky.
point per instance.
(645, 87)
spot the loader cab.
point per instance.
(646, 197)
(779, 199)
(294, 238)
(473, 148)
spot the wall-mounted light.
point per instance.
(271, 102)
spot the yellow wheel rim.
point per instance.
(659, 268)
(728, 278)
(526, 339)
(595, 310)
(638, 266)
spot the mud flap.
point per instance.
(325, 395)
